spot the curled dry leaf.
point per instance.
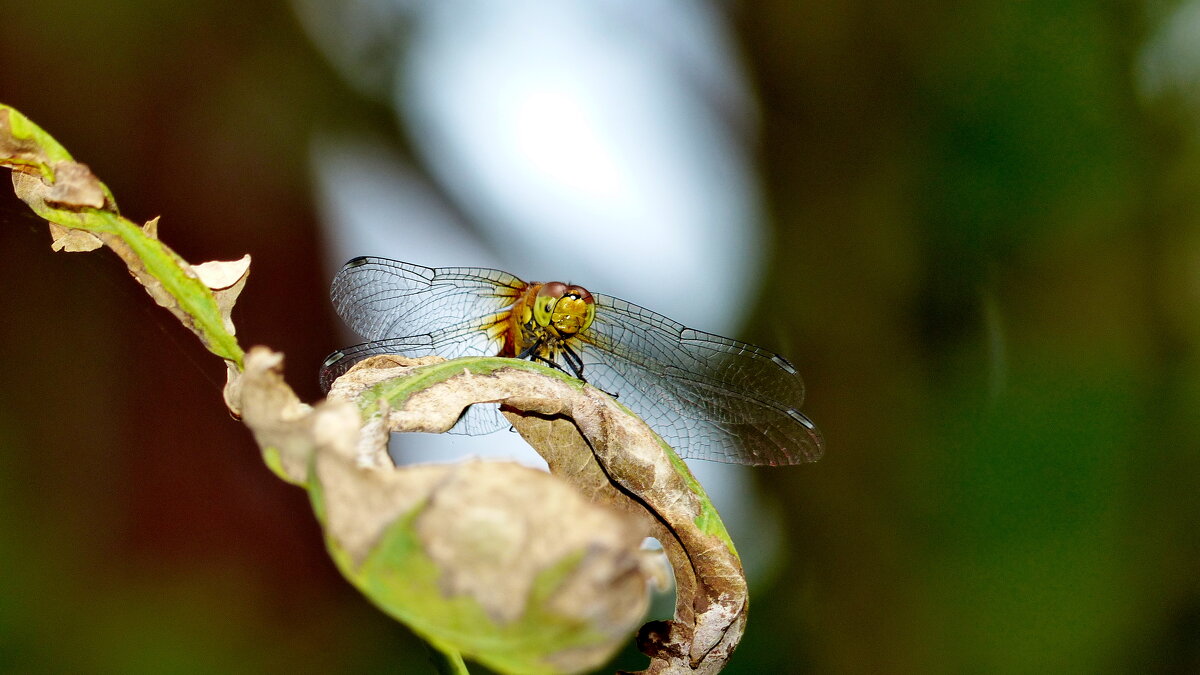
(610, 456)
(44, 174)
(75, 187)
(508, 565)
(25, 147)
(283, 426)
(72, 241)
(226, 279)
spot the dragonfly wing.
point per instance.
(708, 396)
(419, 311)
(380, 298)
(480, 419)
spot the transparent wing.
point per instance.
(708, 396)
(380, 298)
(421, 311)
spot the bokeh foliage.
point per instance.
(985, 242)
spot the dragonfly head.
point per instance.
(565, 309)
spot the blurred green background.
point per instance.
(985, 258)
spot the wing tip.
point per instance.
(784, 364)
(328, 371)
(333, 358)
(814, 447)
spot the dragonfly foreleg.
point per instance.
(533, 354)
(530, 351)
(574, 361)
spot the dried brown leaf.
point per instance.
(284, 427)
(71, 240)
(75, 187)
(530, 551)
(615, 459)
(226, 279)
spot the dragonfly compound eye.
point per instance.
(546, 299)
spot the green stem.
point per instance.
(447, 660)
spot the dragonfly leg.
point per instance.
(574, 361)
(550, 362)
(528, 353)
(531, 353)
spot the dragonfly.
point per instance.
(709, 397)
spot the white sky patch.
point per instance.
(585, 154)
(599, 142)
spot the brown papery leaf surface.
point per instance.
(614, 459)
(491, 529)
